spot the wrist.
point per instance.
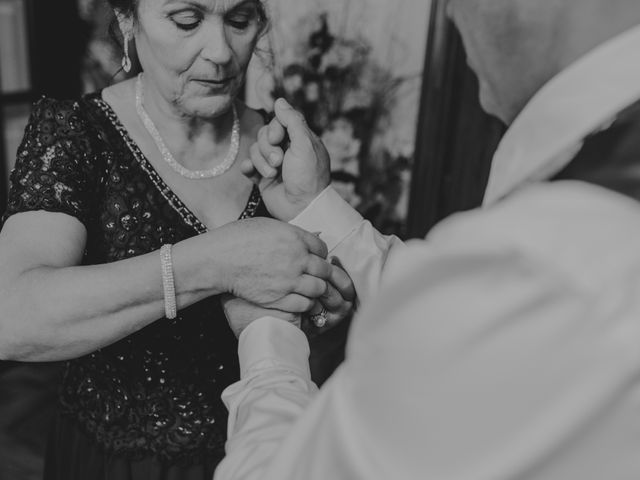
(299, 203)
(198, 269)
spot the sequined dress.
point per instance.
(155, 395)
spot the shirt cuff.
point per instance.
(271, 342)
(330, 215)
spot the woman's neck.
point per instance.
(195, 142)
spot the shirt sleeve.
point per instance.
(274, 389)
(481, 360)
(55, 169)
(361, 249)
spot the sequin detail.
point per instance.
(156, 392)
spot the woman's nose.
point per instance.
(217, 48)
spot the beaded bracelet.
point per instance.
(168, 284)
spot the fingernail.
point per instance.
(283, 101)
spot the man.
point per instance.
(506, 345)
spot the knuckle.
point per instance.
(347, 307)
(254, 151)
(297, 304)
(306, 304)
(322, 287)
(273, 130)
(263, 136)
(346, 288)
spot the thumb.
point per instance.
(292, 120)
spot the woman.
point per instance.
(120, 232)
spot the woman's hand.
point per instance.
(270, 263)
(241, 313)
(334, 306)
(336, 303)
(289, 179)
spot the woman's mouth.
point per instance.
(214, 83)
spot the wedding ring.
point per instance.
(319, 319)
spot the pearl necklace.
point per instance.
(219, 169)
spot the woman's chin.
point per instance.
(208, 106)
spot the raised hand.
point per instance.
(289, 178)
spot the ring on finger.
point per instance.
(319, 319)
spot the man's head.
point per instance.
(516, 46)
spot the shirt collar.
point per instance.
(580, 100)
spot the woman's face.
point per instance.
(195, 53)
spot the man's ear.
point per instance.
(125, 22)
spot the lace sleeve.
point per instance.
(55, 168)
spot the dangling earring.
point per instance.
(126, 61)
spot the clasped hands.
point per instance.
(290, 276)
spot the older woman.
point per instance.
(128, 215)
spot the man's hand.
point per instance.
(289, 178)
(240, 313)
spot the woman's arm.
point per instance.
(53, 308)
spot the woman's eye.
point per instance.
(242, 19)
(186, 21)
(241, 22)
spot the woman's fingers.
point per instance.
(336, 304)
(269, 138)
(291, 120)
(331, 299)
(294, 303)
(260, 163)
(311, 287)
(341, 280)
(310, 323)
(276, 132)
(319, 267)
(314, 244)
(249, 171)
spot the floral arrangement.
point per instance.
(346, 98)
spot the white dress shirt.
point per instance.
(506, 346)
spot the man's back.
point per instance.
(507, 345)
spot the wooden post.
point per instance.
(455, 139)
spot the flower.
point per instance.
(342, 56)
(343, 147)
